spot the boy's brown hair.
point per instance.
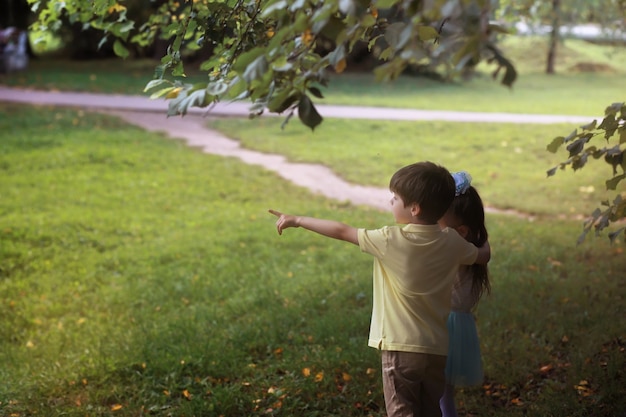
(427, 184)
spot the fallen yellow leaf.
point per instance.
(187, 395)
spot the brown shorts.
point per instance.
(413, 383)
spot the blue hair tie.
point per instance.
(462, 182)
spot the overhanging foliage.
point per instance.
(613, 130)
(276, 53)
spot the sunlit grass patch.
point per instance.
(138, 276)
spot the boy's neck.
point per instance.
(421, 222)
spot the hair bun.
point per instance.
(462, 182)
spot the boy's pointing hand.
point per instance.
(284, 221)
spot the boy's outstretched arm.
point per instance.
(330, 228)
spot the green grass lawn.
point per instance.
(141, 277)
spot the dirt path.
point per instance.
(317, 178)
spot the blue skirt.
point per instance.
(464, 364)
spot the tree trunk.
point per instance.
(554, 36)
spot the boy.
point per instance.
(414, 268)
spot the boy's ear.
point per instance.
(415, 209)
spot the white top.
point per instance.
(462, 298)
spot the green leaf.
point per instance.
(385, 4)
(181, 104)
(237, 89)
(178, 70)
(154, 84)
(321, 17)
(256, 109)
(498, 28)
(34, 7)
(582, 236)
(120, 50)
(273, 6)
(510, 75)
(576, 147)
(308, 113)
(615, 234)
(368, 21)
(613, 109)
(256, 69)
(210, 64)
(427, 33)
(284, 123)
(398, 34)
(102, 42)
(191, 28)
(614, 157)
(123, 29)
(301, 23)
(246, 58)
(283, 66)
(579, 161)
(178, 41)
(386, 54)
(297, 5)
(590, 126)
(217, 88)
(161, 93)
(282, 101)
(612, 183)
(555, 144)
(159, 71)
(571, 136)
(372, 42)
(609, 125)
(337, 55)
(316, 92)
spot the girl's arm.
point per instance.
(484, 254)
(329, 228)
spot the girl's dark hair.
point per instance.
(468, 208)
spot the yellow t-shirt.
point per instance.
(414, 268)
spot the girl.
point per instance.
(464, 365)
